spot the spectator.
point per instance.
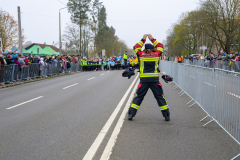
(21, 61)
(26, 61)
(14, 55)
(41, 67)
(112, 64)
(30, 58)
(2, 60)
(9, 59)
(35, 59)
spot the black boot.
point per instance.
(130, 117)
(131, 113)
(167, 118)
(166, 114)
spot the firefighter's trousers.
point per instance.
(157, 90)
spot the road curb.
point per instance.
(35, 80)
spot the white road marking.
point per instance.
(102, 74)
(107, 71)
(113, 139)
(192, 77)
(71, 86)
(24, 102)
(91, 78)
(94, 147)
(234, 95)
(209, 84)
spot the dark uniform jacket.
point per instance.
(148, 62)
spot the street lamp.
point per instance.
(60, 42)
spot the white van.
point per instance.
(195, 55)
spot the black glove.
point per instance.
(167, 78)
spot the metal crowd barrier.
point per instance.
(221, 64)
(14, 73)
(216, 91)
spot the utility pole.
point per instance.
(84, 48)
(60, 41)
(197, 44)
(202, 43)
(19, 30)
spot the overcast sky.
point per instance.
(130, 18)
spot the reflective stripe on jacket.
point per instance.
(148, 61)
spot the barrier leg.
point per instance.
(190, 101)
(207, 123)
(235, 157)
(203, 118)
(192, 104)
(180, 92)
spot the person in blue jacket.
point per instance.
(123, 64)
(14, 56)
(118, 58)
(112, 64)
(109, 64)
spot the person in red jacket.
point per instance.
(149, 76)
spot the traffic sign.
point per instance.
(203, 47)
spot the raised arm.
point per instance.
(137, 48)
(156, 44)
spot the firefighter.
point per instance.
(125, 58)
(149, 76)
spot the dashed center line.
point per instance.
(24, 102)
(91, 78)
(209, 84)
(234, 95)
(102, 74)
(70, 86)
(107, 71)
(192, 77)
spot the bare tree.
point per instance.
(219, 20)
(72, 37)
(9, 30)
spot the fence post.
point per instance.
(195, 88)
(212, 105)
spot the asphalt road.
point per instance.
(63, 123)
(66, 118)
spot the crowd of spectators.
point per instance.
(108, 63)
(221, 56)
(61, 64)
(227, 61)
